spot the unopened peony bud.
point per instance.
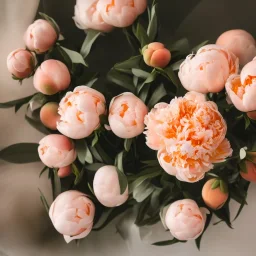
(49, 115)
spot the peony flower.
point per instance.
(185, 219)
(65, 171)
(189, 137)
(107, 188)
(241, 88)
(195, 96)
(49, 115)
(213, 198)
(87, 16)
(121, 13)
(72, 215)
(56, 151)
(156, 55)
(126, 115)
(250, 175)
(21, 63)
(80, 111)
(40, 36)
(208, 70)
(52, 77)
(239, 42)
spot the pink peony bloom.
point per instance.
(107, 188)
(241, 88)
(121, 13)
(195, 96)
(49, 115)
(72, 215)
(80, 111)
(240, 42)
(208, 70)
(21, 63)
(87, 16)
(185, 219)
(65, 171)
(40, 36)
(126, 115)
(56, 151)
(189, 137)
(156, 55)
(52, 77)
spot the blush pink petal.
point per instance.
(195, 96)
(64, 171)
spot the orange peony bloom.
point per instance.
(189, 136)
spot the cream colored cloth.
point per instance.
(25, 229)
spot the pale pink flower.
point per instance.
(40, 36)
(56, 151)
(241, 88)
(51, 77)
(121, 13)
(126, 115)
(107, 188)
(189, 137)
(156, 55)
(87, 16)
(21, 63)
(185, 219)
(49, 115)
(80, 112)
(240, 42)
(195, 96)
(72, 215)
(208, 70)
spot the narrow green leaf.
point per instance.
(20, 153)
(247, 121)
(157, 95)
(168, 242)
(196, 48)
(133, 62)
(94, 167)
(140, 73)
(56, 184)
(37, 101)
(76, 172)
(74, 56)
(122, 181)
(95, 139)
(141, 192)
(223, 187)
(119, 161)
(88, 155)
(215, 184)
(37, 124)
(103, 155)
(81, 150)
(44, 201)
(90, 188)
(176, 65)
(92, 82)
(127, 144)
(141, 34)
(19, 102)
(149, 80)
(91, 37)
(44, 169)
(181, 46)
(152, 26)
(63, 56)
(169, 74)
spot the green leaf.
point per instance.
(119, 161)
(152, 26)
(247, 121)
(176, 65)
(44, 169)
(170, 75)
(91, 37)
(37, 124)
(44, 201)
(56, 185)
(90, 188)
(92, 82)
(63, 56)
(20, 153)
(95, 139)
(88, 155)
(215, 184)
(52, 22)
(19, 102)
(157, 95)
(196, 48)
(143, 89)
(223, 187)
(168, 242)
(76, 173)
(103, 155)
(127, 144)
(181, 46)
(141, 192)
(140, 73)
(141, 34)
(242, 166)
(94, 167)
(122, 181)
(81, 147)
(74, 56)
(133, 62)
(37, 101)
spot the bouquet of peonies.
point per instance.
(170, 134)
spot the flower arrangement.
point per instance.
(170, 133)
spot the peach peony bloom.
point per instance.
(107, 188)
(240, 42)
(126, 115)
(208, 70)
(213, 198)
(87, 16)
(185, 219)
(56, 151)
(72, 215)
(121, 13)
(49, 115)
(251, 172)
(65, 171)
(80, 111)
(241, 88)
(51, 77)
(195, 96)
(21, 63)
(156, 55)
(189, 137)
(40, 36)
